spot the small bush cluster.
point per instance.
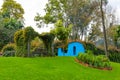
(114, 55)
(9, 53)
(9, 50)
(94, 61)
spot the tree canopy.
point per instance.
(11, 19)
(11, 8)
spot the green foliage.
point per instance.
(114, 55)
(7, 30)
(9, 54)
(94, 33)
(37, 48)
(21, 51)
(69, 12)
(89, 46)
(118, 31)
(19, 38)
(4, 37)
(61, 32)
(90, 52)
(9, 50)
(9, 47)
(11, 19)
(13, 9)
(36, 43)
(53, 11)
(20, 43)
(113, 35)
(48, 39)
(95, 61)
(29, 34)
(22, 39)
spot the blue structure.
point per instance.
(74, 48)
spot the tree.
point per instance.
(109, 21)
(11, 8)
(112, 35)
(94, 34)
(69, 12)
(61, 32)
(5, 34)
(12, 13)
(11, 19)
(80, 15)
(53, 11)
(118, 35)
(104, 29)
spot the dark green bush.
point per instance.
(8, 53)
(9, 50)
(8, 47)
(115, 57)
(89, 46)
(114, 54)
(95, 61)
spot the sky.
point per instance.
(31, 7)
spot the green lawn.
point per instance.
(55, 68)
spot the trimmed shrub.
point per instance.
(8, 53)
(48, 39)
(9, 50)
(22, 39)
(95, 61)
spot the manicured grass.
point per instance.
(52, 68)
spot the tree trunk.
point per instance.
(28, 48)
(104, 30)
(53, 49)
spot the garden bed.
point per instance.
(87, 65)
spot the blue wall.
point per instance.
(74, 48)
